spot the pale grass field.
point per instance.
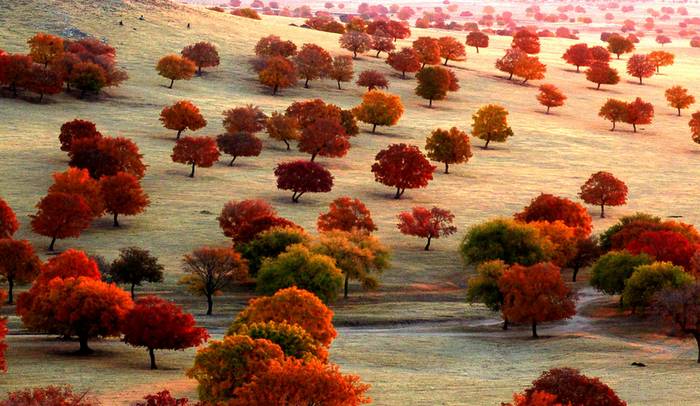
(550, 153)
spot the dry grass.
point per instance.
(549, 153)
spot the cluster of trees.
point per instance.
(87, 66)
(636, 113)
(276, 351)
(193, 58)
(519, 59)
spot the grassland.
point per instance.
(451, 362)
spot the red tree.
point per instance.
(239, 144)
(303, 176)
(324, 137)
(163, 398)
(181, 116)
(547, 207)
(678, 98)
(278, 73)
(404, 61)
(272, 45)
(664, 245)
(402, 166)
(75, 130)
(18, 263)
(195, 151)
(247, 119)
(107, 156)
(203, 54)
(68, 264)
(61, 215)
(14, 71)
(601, 73)
(567, 386)
(550, 96)
(50, 395)
(527, 41)
(372, 79)
(529, 68)
(8, 220)
(535, 294)
(603, 189)
(243, 220)
(477, 39)
(122, 194)
(313, 62)
(424, 223)
(175, 67)
(78, 182)
(428, 50)
(345, 213)
(382, 43)
(639, 112)
(451, 49)
(157, 324)
(640, 66)
(43, 81)
(434, 83)
(578, 55)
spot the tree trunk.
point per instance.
(354, 54)
(274, 89)
(306, 84)
(430, 102)
(339, 86)
(192, 173)
(374, 128)
(634, 127)
(152, 355)
(423, 65)
(41, 98)
(523, 82)
(347, 277)
(447, 168)
(84, 348)
(53, 241)
(210, 304)
(172, 82)
(115, 223)
(575, 269)
(287, 143)
(640, 80)
(445, 64)
(487, 143)
(602, 211)
(534, 329)
(548, 109)
(403, 75)
(477, 49)
(179, 132)
(577, 69)
(398, 194)
(505, 324)
(613, 127)
(598, 88)
(199, 71)
(378, 52)
(679, 112)
(10, 285)
(231, 163)
(697, 340)
(133, 295)
(511, 76)
(313, 156)
(427, 246)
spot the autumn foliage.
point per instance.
(601, 73)
(603, 189)
(379, 109)
(434, 82)
(402, 166)
(243, 220)
(61, 215)
(107, 156)
(196, 151)
(640, 66)
(277, 73)
(8, 220)
(346, 214)
(477, 39)
(678, 98)
(567, 386)
(547, 207)
(247, 119)
(312, 62)
(175, 67)
(451, 49)
(405, 60)
(490, 123)
(428, 50)
(372, 79)
(448, 147)
(526, 41)
(303, 177)
(203, 54)
(181, 116)
(122, 194)
(550, 96)
(18, 263)
(239, 144)
(75, 130)
(427, 223)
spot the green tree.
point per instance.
(292, 338)
(269, 244)
(507, 240)
(647, 280)
(611, 271)
(483, 287)
(135, 266)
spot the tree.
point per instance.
(483, 286)
(382, 43)
(122, 194)
(529, 68)
(50, 395)
(82, 307)
(278, 73)
(294, 381)
(225, 365)
(356, 42)
(303, 177)
(43, 80)
(301, 267)
(163, 398)
(428, 51)
(357, 254)
(203, 54)
(406, 60)
(550, 96)
(45, 48)
(372, 79)
(535, 294)
(433, 83)
(614, 111)
(601, 73)
(586, 252)
(648, 280)
(612, 270)
(78, 182)
(313, 62)
(600, 54)
(640, 66)
(293, 340)
(680, 307)
(324, 137)
(639, 112)
(508, 62)
(379, 108)
(239, 144)
(424, 223)
(294, 306)
(478, 39)
(61, 215)
(8, 220)
(448, 147)
(175, 67)
(402, 166)
(341, 69)
(527, 41)
(157, 324)
(14, 71)
(451, 49)
(272, 45)
(181, 116)
(618, 45)
(283, 128)
(75, 130)
(679, 98)
(578, 55)
(88, 77)
(68, 264)
(248, 119)
(134, 267)
(18, 263)
(356, 24)
(664, 245)
(196, 151)
(567, 386)
(505, 240)
(107, 156)
(661, 58)
(243, 220)
(490, 123)
(547, 207)
(211, 270)
(269, 244)
(602, 189)
(346, 214)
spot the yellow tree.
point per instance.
(379, 108)
(490, 123)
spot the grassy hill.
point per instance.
(549, 153)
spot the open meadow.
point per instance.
(415, 339)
